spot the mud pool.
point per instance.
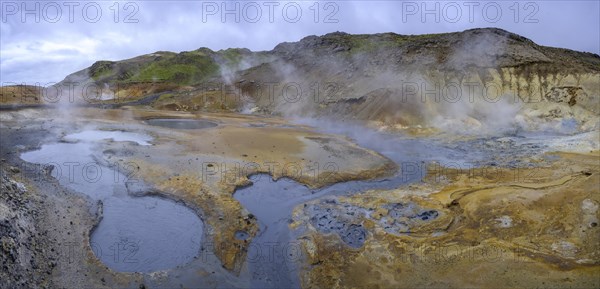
(273, 256)
(135, 234)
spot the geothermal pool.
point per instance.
(135, 234)
(272, 203)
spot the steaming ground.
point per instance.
(474, 192)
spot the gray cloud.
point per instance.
(46, 52)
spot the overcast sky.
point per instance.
(69, 36)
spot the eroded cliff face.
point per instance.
(478, 78)
(505, 98)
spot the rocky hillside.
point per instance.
(478, 78)
(25, 262)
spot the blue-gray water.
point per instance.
(136, 234)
